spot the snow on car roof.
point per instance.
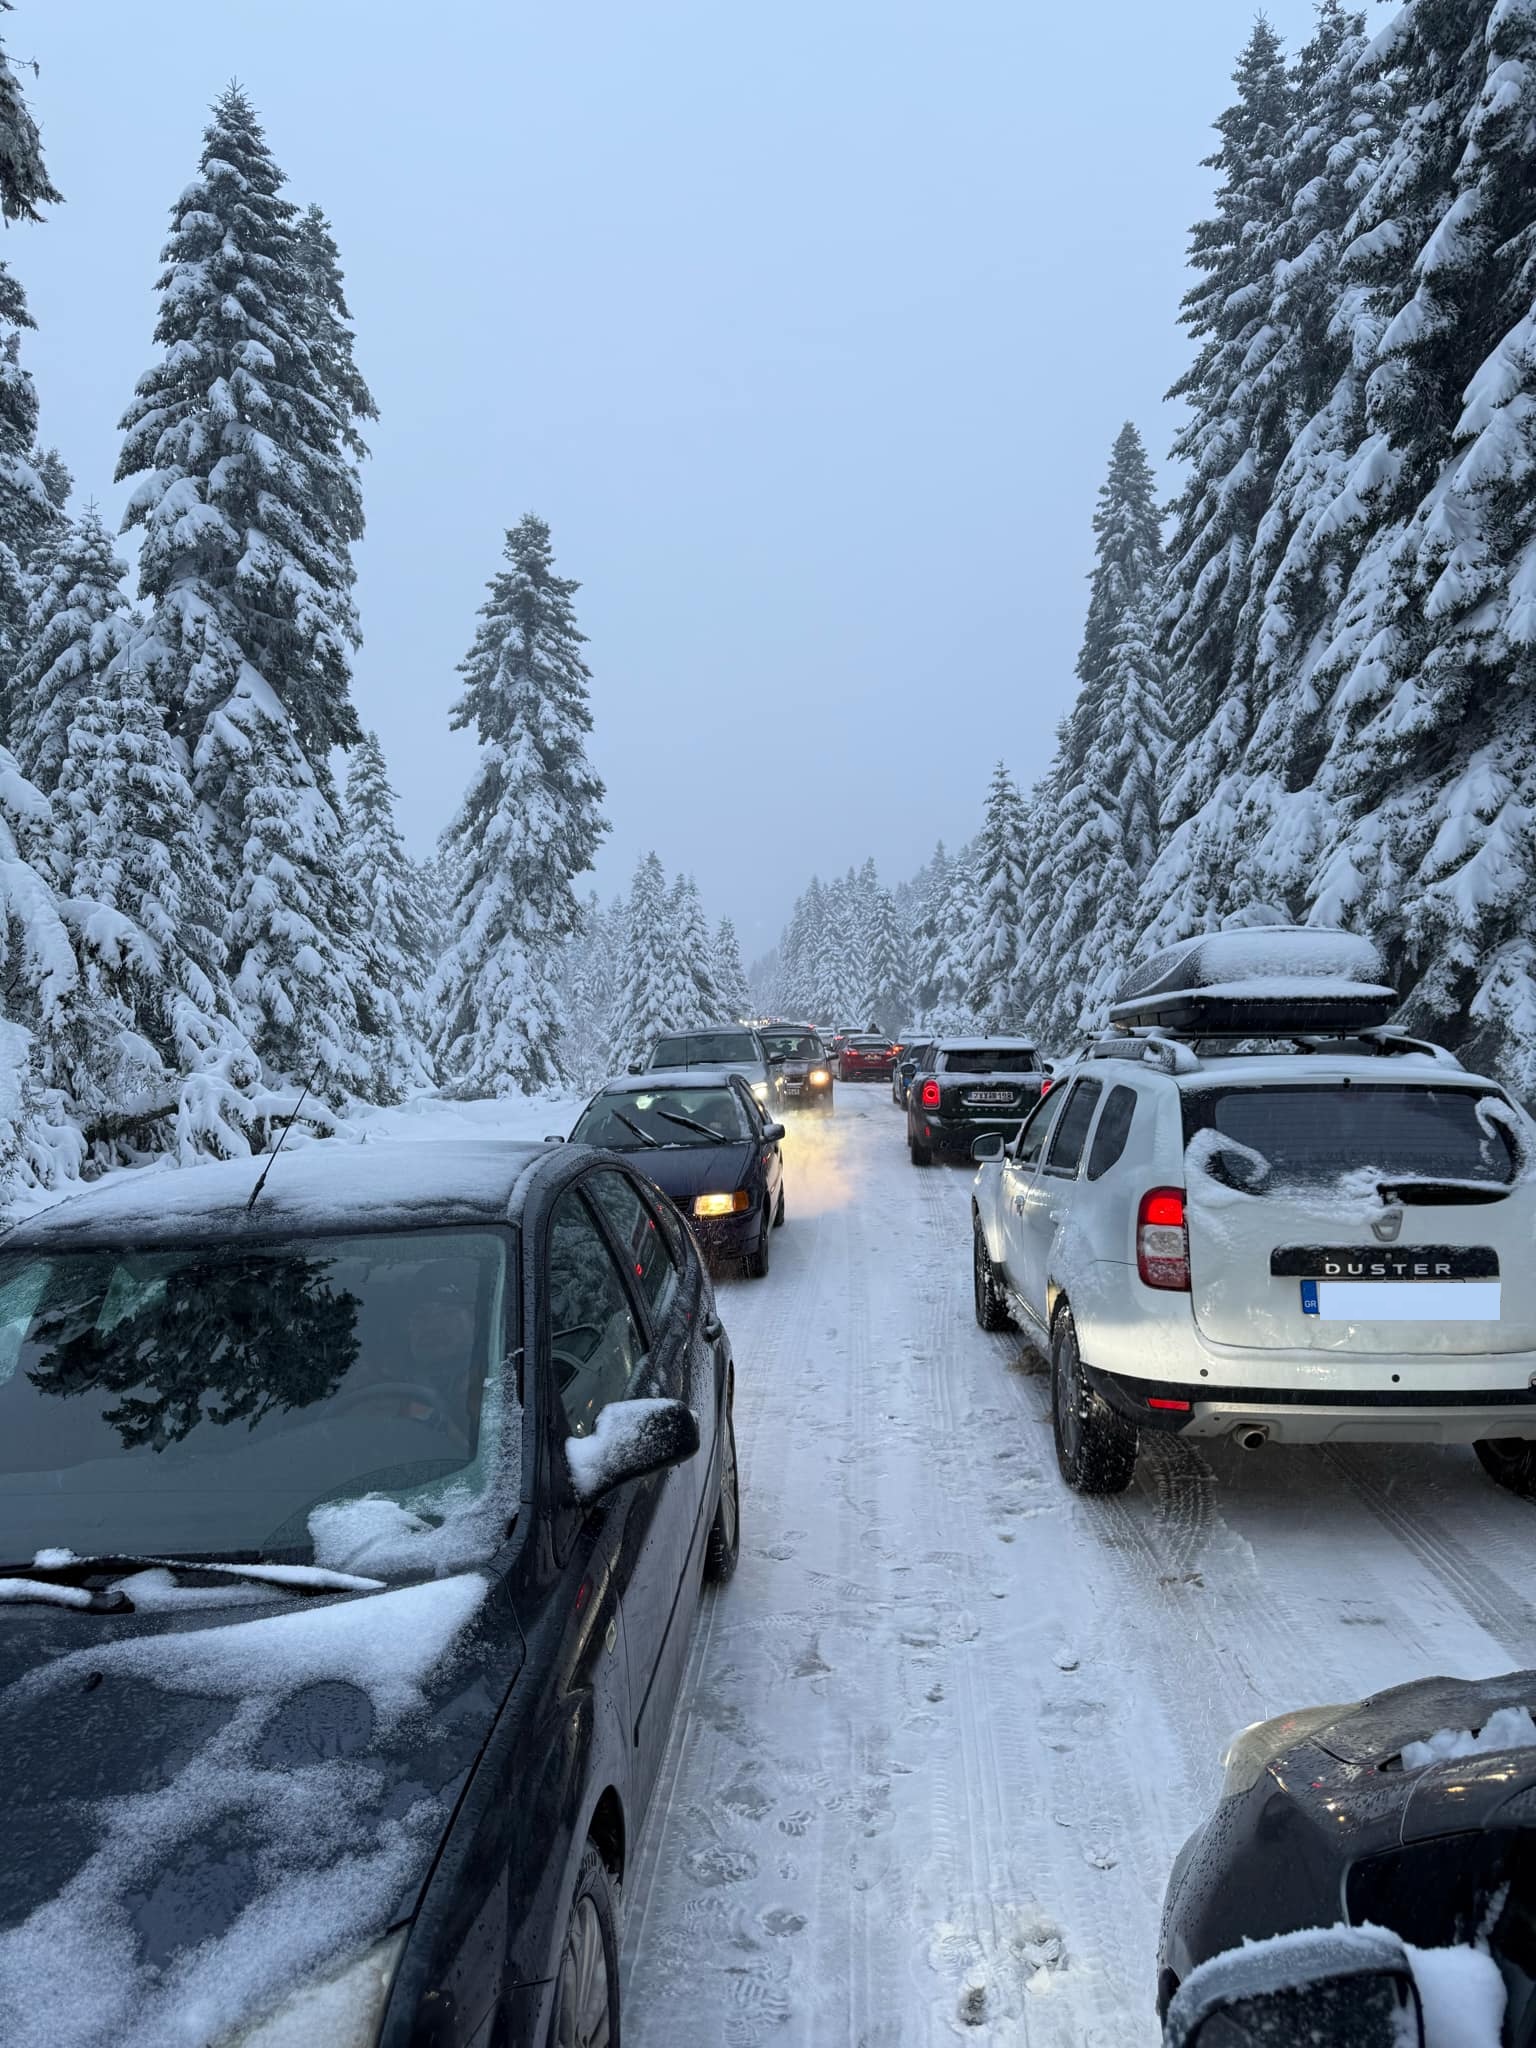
(668, 1077)
(325, 1184)
(1013, 1042)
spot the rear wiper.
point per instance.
(1452, 1193)
(23, 1590)
(60, 1571)
(690, 1124)
(630, 1125)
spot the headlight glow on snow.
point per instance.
(820, 1077)
(721, 1205)
(342, 2010)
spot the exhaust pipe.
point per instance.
(1253, 1436)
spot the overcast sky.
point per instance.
(808, 329)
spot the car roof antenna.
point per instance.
(288, 1125)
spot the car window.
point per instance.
(669, 1052)
(642, 1243)
(1067, 1145)
(991, 1059)
(1035, 1127)
(597, 1349)
(1405, 1133)
(1114, 1128)
(754, 1109)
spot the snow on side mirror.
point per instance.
(1348, 1987)
(636, 1067)
(988, 1146)
(632, 1439)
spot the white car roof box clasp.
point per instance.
(1259, 980)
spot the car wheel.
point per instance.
(1511, 1461)
(724, 1545)
(586, 2013)
(922, 1155)
(756, 1262)
(778, 1214)
(991, 1304)
(1095, 1447)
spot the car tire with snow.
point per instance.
(991, 1303)
(1095, 1447)
(1511, 1461)
(586, 2007)
(724, 1546)
(756, 1262)
(922, 1155)
(778, 1214)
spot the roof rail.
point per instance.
(1171, 1054)
(1178, 1052)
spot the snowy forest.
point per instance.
(1307, 685)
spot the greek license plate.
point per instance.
(793, 1087)
(1401, 1301)
(990, 1095)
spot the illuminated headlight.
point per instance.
(342, 2010)
(722, 1205)
(1249, 1754)
(760, 1090)
(819, 1077)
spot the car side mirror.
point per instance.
(988, 1146)
(776, 1059)
(1350, 1987)
(632, 1440)
(772, 1133)
(554, 1138)
(636, 1067)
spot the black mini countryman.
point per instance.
(353, 1532)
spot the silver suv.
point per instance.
(1254, 1211)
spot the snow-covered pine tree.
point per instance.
(699, 999)
(887, 968)
(994, 942)
(77, 624)
(1431, 765)
(930, 936)
(392, 925)
(647, 987)
(730, 977)
(593, 960)
(248, 500)
(1232, 441)
(529, 825)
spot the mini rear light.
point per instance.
(929, 1097)
(1162, 1241)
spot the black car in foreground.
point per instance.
(702, 1138)
(353, 1533)
(1413, 1811)
(803, 1068)
(962, 1087)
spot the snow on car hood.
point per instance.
(201, 1813)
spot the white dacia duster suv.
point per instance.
(1255, 1211)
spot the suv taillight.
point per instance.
(1162, 1240)
(929, 1096)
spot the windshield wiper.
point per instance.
(630, 1125)
(61, 1571)
(690, 1124)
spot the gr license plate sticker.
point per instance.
(1401, 1301)
(990, 1095)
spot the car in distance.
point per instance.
(354, 1530)
(1413, 1811)
(1257, 1212)
(701, 1137)
(804, 1071)
(865, 1056)
(909, 1057)
(735, 1047)
(968, 1086)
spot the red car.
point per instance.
(863, 1056)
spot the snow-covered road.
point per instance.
(943, 1734)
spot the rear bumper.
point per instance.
(1313, 1415)
(949, 1134)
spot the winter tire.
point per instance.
(991, 1304)
(1511, 1461)
(922, 1155)
(724, 1546)
(778, 1214)
(1095, 1447)
(586, 2011)
(756, 1262)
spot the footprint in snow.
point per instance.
(718, 1865)
(795, 1823)
(781, 1921)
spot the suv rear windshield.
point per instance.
(993, 1059)
(704, 1049)
(1402, 1133)
(793, 1045)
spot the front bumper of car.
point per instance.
(798, 1091)
(730, 1237)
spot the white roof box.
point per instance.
(1268, 980)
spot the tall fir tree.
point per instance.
(394, 924)
(645, 998)
(530, 823)
(78, 624)
(699, 999)
(248, 499)
(995, 945)
(730, 976)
